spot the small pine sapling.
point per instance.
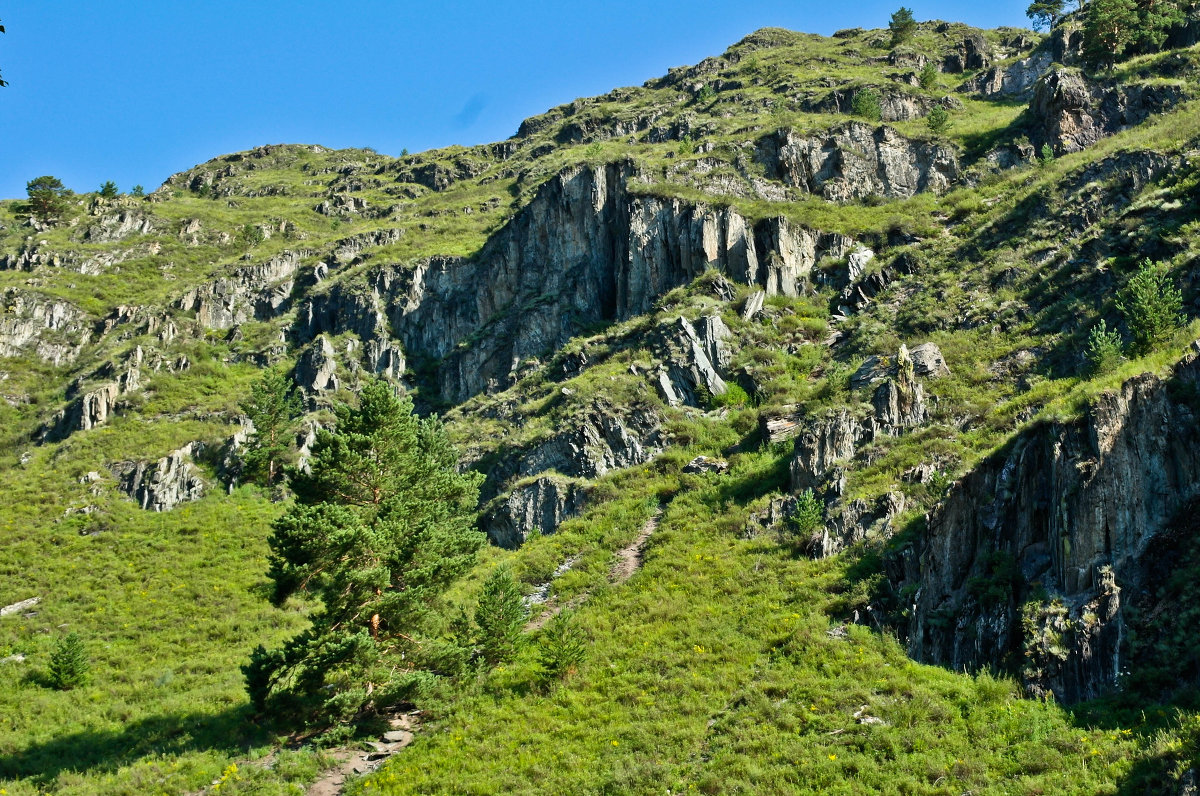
(1103, 349)
(69, 663)
(500, 615)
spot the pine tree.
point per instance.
(381, 526)
(1044, 13)
(903, 25)
(1108, 28)
(47, 198)
(938, 120)
(928, 75)
(108, 190)
(272, 407)
(68, 663)
(562, 648)
(1103, 349)
(501, 615)
(866, 104)
(1152, 307)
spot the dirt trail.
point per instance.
(629, 560)
(356, 762)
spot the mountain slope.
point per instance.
(725, 262)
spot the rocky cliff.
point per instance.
(1029, 557)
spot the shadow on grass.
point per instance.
(103, 751)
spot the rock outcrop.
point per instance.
(94, 407)
(900, 402)
(118, 225)
(1039, 542)
(1071, 112)
(586, 250)
(600, 440)
(164, 484)
(316, 369)
(255, 292)
(822, 445)
(694, 357)
(538, 506)
(54, 330)
(1015, 81)
(856, 160)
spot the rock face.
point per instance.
(1054, 529)
(252, 292)
(164, 484)
(695, 355)
(118, 225)
(825, 443)
(54, 330)
(1071, 112)
(94, 407)
(900, 402)
(973, 52)
(584, 251)
(599, 441)
(543, 504)
(855, 161)
(316, 369)
(1016, 81)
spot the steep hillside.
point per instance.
(778, 385)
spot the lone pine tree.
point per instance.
(381, 525)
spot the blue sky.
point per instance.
(134, 91)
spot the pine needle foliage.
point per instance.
(501, 615)
(382, 524)
(1152, 307)
(562, 648)
(272, 407)
(1103, 349)
(69, 665)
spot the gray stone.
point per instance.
(1071, 112)
(18, 607)
(316, 369)
(706, 464)
(824, 443)
(540, 505)
(1077, 507)
(855, 160)
(928, 361)
(164, 484)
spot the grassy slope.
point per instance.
(713, 668)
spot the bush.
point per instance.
(808, 516)
(733, 396)
(1047, 155)
(500, 615)
(1103, 349)
(68, 663)
(928, 75)
(938, 120)
(1152, 307)
(866, 104)
(562, 648)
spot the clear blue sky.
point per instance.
(134, 91)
